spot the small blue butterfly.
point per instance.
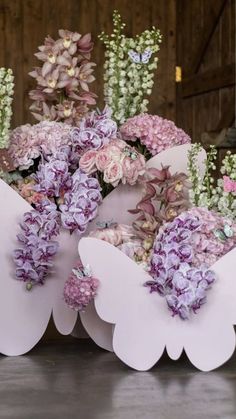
(83, 272)
(106, 224)
(138, 58)
(225, 233)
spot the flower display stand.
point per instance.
(24, 315)
(115, 206)
(141, 324)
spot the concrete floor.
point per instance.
(78, 380)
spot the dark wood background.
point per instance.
(25, 23)
(198, 35)
(206, 53)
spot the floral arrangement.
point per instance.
(6, 97)
(222, 197)
(183, 252)
(62, 92)
(129, 69)
(68, 162)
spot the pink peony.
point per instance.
(156, 133)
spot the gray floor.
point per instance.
(78, 380)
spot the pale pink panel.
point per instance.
(100, 331)
(177, 159)
(63, 316)
(143, 323)
(24, 315)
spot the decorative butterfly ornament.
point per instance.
(142, 326)
(225, 233)
(140, 58)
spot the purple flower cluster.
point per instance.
(53, 177)
(33, 259)
(77, 196)
(96, 130)
(80, 202)
(174, 276)
(80, 289)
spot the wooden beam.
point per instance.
(208, 30)
(209, 80)
(228, 115)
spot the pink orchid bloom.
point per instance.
(69, 40)
(85, 75)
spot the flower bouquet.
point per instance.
(154, 232)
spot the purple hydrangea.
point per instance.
(174, 277)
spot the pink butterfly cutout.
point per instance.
(115, 206)
(142, 326)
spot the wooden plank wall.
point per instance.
(203, 112)
(25, 23)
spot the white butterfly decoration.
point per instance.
(115, 206)
(140, 58)
(24, 315)
(142, 326)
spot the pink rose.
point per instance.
(87, 161)
(103, 159)
(130, 173)
(113, 173)
(109, 235)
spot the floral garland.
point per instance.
(62, 91)
(129, 69)
(76, 198)
(6, 97)
(182, 254)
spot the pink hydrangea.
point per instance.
(210, 242)
(27, 142)
(153, 131)
(80, 288)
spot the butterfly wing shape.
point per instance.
(146, 55)
(122, 301)
(115, 206)
(24, 315)
(143, 325)
(135, 56)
